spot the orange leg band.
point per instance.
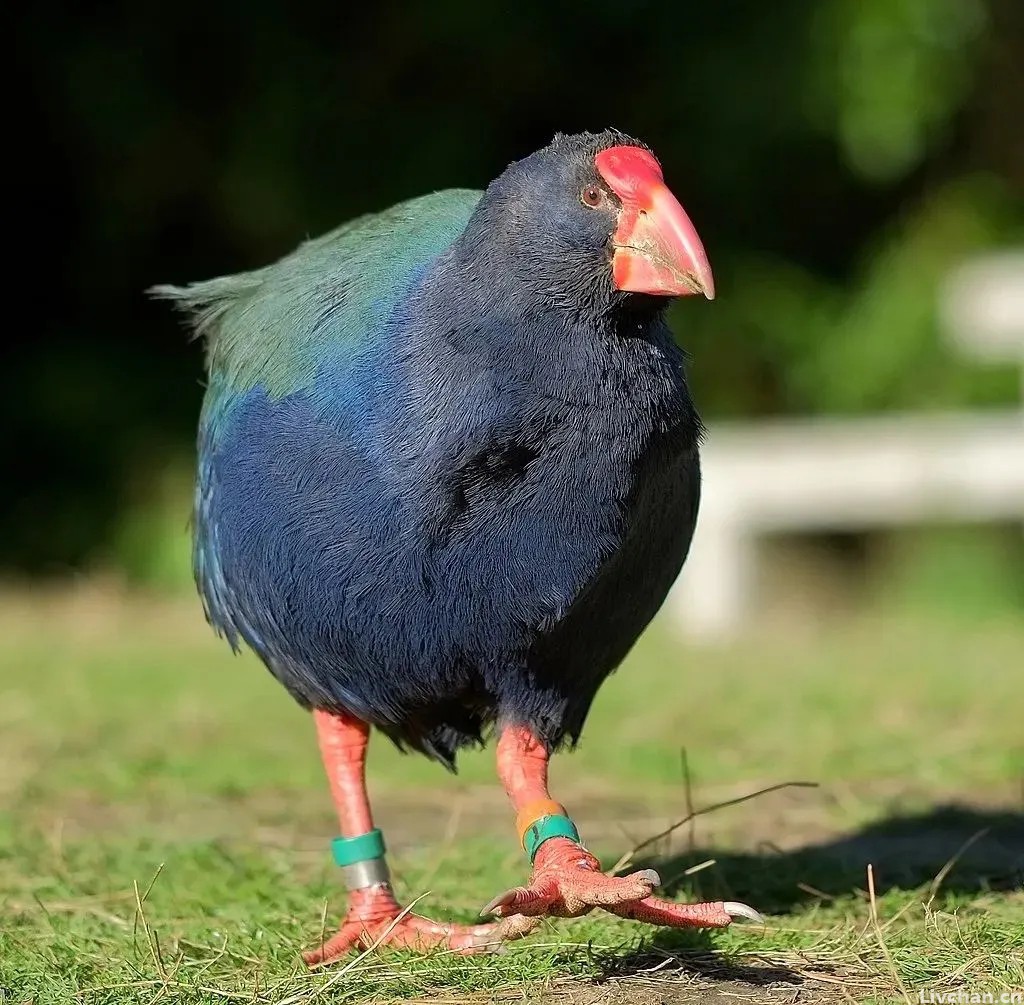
(523, 769)
(529, 814)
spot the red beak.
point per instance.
(657, 249)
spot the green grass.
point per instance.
(165, 822)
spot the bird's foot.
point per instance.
(375, 919)
(568, 882)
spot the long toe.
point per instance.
(468, 938)
(654, 911)
(343, 941)
(365, 930)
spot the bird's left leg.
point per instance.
(374, 916)
(567, 880)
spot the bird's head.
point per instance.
(590, 215)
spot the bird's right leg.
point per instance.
(374, 916)
(567, 880)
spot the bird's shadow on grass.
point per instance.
(975, 850)
(958, 850)
(691, 952)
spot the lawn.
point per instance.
(165, 826)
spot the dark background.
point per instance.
(838, 158)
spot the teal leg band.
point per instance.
(349, 851)
(362, 860)
(553, 826)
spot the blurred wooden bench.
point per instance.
(808, 475)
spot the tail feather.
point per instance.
(208, 301)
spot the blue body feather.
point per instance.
(445, 476)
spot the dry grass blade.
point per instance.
(140, 915)
(873, 900)
(691, 834)
(703, 811)
(941, 875)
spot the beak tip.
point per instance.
(705, 282)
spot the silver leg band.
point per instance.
(369, 872)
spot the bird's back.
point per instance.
(271, 327)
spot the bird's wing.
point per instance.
(270, 327)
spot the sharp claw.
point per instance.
(501, 900)
(647, 876)
(738, 910)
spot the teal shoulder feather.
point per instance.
(271, 326)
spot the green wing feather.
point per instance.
(269, 327)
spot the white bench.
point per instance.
(849, 474)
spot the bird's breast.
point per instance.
(528, 485)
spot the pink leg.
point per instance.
(373, 913)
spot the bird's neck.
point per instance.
(469, 329)
(493, 307)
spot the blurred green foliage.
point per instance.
(838, 157)
(890, 76)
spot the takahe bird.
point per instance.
(448, 470)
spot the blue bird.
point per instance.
(447, 472)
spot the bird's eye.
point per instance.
(592, 196)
